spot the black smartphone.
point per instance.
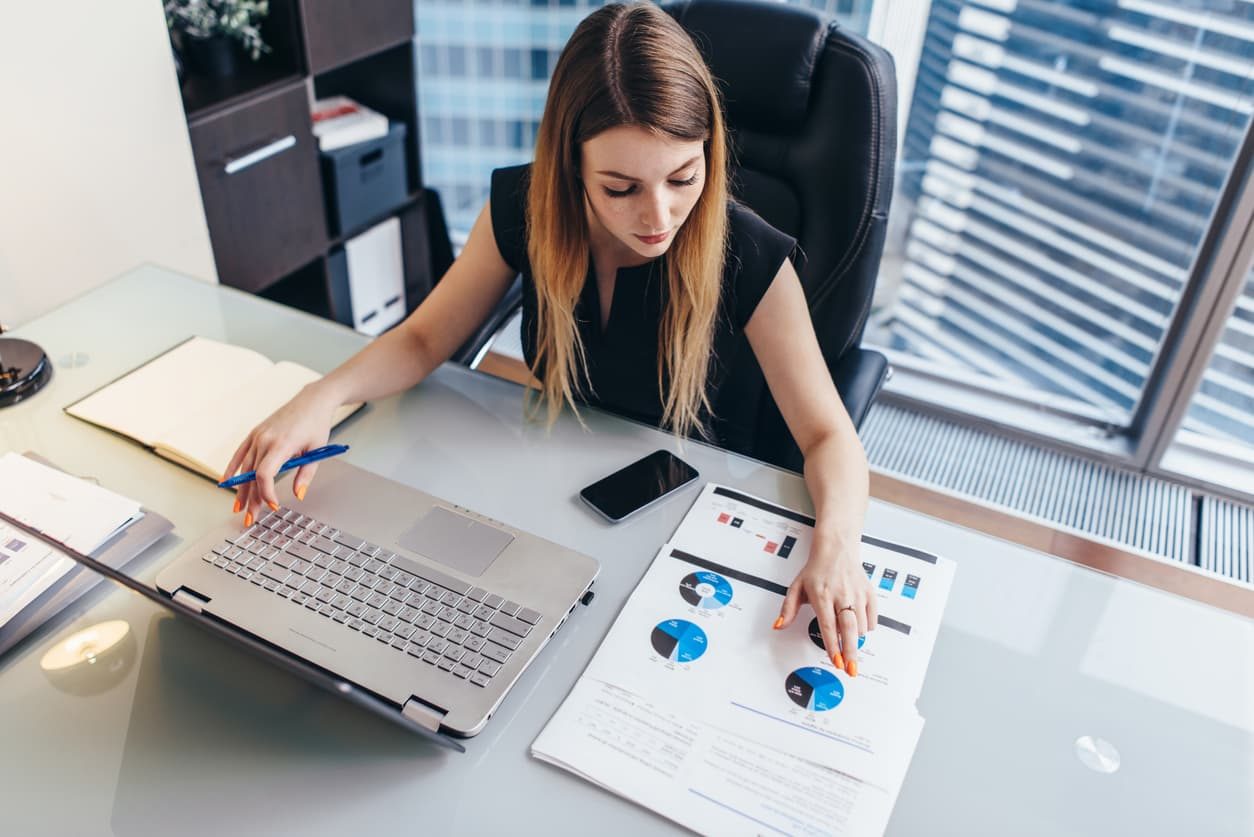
(640, 484)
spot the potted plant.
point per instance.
(212, 33)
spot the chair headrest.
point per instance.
(765, 52)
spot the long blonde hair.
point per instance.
(627, 65)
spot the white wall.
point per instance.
(96, 171)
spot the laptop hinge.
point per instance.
(423, 714)
(193, 600)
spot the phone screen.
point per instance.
(639, 484)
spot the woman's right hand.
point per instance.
(300, 425)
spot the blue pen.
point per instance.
(295, 462)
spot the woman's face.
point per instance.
(640, 187)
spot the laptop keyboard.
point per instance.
(464, 630)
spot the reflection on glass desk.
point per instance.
(1059, 700)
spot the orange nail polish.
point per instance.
(273, 506)
(235, 509)
(300, 492)
(837, 660)
(852, 668)
(779, 623)
(248, 519)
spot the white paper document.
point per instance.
(701, 777)
(27, 568)
(694, 648)
(79, 514)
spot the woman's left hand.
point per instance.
(835, 585)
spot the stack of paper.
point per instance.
(694, 707)
(79, 514)
(339, 121)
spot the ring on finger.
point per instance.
(846, 607)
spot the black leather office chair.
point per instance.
(812, 113)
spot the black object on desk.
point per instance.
(24, 369)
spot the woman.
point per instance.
(641, 279)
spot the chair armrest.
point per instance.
(500, 315)
(859, 374)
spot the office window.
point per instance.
(487, 136)
(539, 64)
(511, 58)
(460, 127)
(457, 61)
(1215, 442)
(1058, 170)
(429, 58)
(485, 62)
(1223, 408)
(514, 135)
(433, 130)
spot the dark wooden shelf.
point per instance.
(204, 96)
(375, 50)
(258, 162)
(337, 33)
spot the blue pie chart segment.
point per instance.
(706, 590)
(679, 641)
(814, 689)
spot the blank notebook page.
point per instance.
(185, 381)
(206, 439)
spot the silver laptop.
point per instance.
(429, 607)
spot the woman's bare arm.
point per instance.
(395, 361)
(832, 582)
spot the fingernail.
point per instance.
(273, 506)
(779, 623)
(235, 508)
(838, 661)
(300, 492)
(248, 519)
(852, 668)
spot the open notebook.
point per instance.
(195, 403)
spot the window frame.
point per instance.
(1216, 280)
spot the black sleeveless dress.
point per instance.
(622, 357)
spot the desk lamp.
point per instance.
(24, 369)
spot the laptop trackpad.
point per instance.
(455, 540)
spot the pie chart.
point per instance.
(816, 635)
(706, 590)
(679, 641)
(814, 689)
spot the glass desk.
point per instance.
(1045, 675)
